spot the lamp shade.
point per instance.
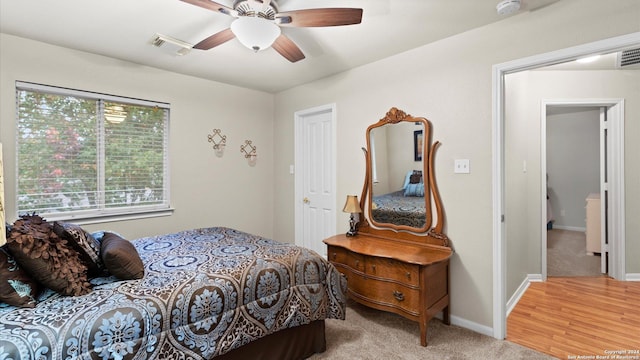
(254, 32)
(352, 205)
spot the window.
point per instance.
(89, 155)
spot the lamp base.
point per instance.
(353, 227)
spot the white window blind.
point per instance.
(88, 155)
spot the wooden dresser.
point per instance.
(397, 261)
(593, 230)
(406, 278)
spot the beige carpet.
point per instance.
(369, 334)
(567, 255)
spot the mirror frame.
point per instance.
(433, 234)
(393, 117)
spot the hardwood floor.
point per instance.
(568, 317)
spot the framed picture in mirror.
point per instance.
(417, 145)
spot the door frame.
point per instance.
(299, 138)
(498, 117)
(615, 157)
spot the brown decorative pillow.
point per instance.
(121, 258)
(17, 288)
(416, 177)
(46, 257)
(85, 244)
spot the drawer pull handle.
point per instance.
(373, 267)
(398, 295)
(334, 256)
(408, 275)
(357, 263)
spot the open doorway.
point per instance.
(583, 133)
(517, 249)
(574, 203)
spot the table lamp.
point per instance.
(352, 206)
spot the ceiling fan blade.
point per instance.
(287, 48)
(215, 40)
(319, 17)
(214, 6)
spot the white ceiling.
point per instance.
(123, 29)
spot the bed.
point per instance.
(206, 293)
(396, 208)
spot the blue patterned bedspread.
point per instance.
(204, 293)
(395, 208)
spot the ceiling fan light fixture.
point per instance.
(254, 32)
(115, 114)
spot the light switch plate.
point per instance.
(461, 166)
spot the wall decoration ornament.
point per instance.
(219, 141)
(250, 152)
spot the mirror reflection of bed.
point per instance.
(403, 207)
(398, 185)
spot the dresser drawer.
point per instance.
(349, 259)
(393, 270)
(337, 254)
(386, 293)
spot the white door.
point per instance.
(315, 158)
(604, 240)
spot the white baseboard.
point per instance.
(632, 277)
(571, 228)
(467, 324)
(520, 291)
(473, 326)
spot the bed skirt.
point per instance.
(290, 344)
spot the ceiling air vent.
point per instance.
(174, 45)
(629, 59)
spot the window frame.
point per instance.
(100, 213)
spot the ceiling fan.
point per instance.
(257, 24)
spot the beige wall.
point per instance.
(394, 155)
(401, 154)
(205, 190)
(449, 83)
(573, 164)
(521, 204)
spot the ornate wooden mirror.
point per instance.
(400, 189)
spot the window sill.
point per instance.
(99, 219)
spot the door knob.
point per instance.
(306, 200)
